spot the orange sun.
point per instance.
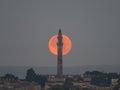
(66, 44)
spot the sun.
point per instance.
(67, 44)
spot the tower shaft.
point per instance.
(59, 55)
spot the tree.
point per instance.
(30, 75)
(41, 80)
(68, 84)
(116, 87)
(9, 76)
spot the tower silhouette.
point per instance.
(59, 54)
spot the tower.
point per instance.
(59, 54)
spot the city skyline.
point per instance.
(26, 27)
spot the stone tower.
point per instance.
(59, 55)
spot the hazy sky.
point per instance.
(27, 25)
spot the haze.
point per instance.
(27, 25)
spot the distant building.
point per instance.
(79, 84)
(87, 78)
(18, 85)
(114, 82)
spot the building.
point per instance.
(114, 82)
(59, 55)
(18, 85)
(57, 79)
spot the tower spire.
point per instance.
(60, 32)
(59, 54)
